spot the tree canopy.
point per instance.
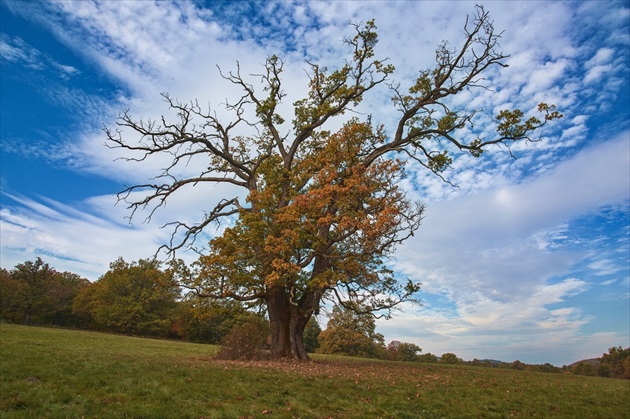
(320, 212)
(349, 333)
(132, 298)
(35, 293)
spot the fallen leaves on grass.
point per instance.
(419, 375)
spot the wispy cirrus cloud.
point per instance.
(16, 51)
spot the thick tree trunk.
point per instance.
(288, 319)
(287, 322)
(279, 310)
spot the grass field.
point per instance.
(54, 373)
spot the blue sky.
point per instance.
(527, 259)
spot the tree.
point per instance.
(403, 351)
(449, 358)
(322, 210)
(517, 365)
(311, 335)
(30, 302)
(8, 295)
(428, 358)
(205, 320)
(66, 286)
(135, 298)
(615, 363)
(35, 293)
(583, 368)
(246, 340)
(349, 333)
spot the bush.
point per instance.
(584, 369)
(428, 358)
(246, 341)
(449, 358)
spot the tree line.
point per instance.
(134, 298)
(144, 299)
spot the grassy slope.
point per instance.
(59, 373)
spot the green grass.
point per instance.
(56, 373)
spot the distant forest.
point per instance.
(143, 299)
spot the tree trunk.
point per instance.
(279, 310)
(287, 322)
(287, 319)
(300, 315)
(298, 324)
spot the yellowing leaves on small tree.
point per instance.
(322, 211)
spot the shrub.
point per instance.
(584, 369)
(449, 358)
(246, 341)
(428, 358)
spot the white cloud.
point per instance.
(491, 254)
(506, 222)
(15, 50)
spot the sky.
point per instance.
(527, 258)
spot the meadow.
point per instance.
(55, 373)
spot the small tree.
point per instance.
(403, 351)
(517, 365)
(311, 335)
(349, 333)
(428, 358)
(449, 358)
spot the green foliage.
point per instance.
(517, 365)
(206, 320)
(134, 298)
(428, 358)
(352, 334)
(403, 351)
(449, 358)
(615, 363)
(35, 293)
(311, 335)
(583, 368)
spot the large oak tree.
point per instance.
(319, 212)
